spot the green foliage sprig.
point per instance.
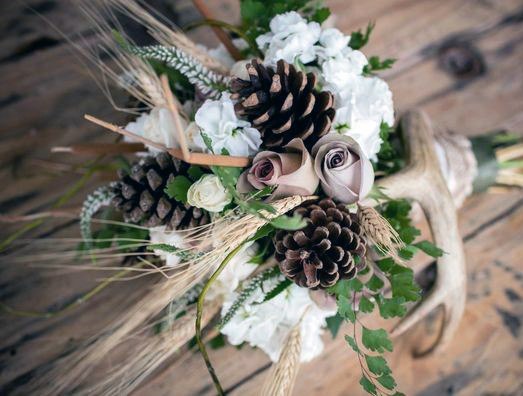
(389, 289)
(390, 156)
(253, 285)
(207, 81)
(376, 64)
(99, 198)
(358, 38)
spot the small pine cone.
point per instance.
(325, 250)
(282, 104)
(140, 195)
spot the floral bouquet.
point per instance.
(252, 193)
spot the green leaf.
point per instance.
(228, 175)
(321, 15)
(376, 64)
(374, 283)
(352, 343)
(334, 324)
(345, 309)
(391, 307)
(368, 386)
(177, 188)
(376, 340)
(407, 252)
(256, 207)
(280, 287)
(429, 248)
(355, 285)
(377, 365)
(341, 288)
(366, 305)
(262, 232)
(296, 222)
(385, 264)
(403, 285)
(250, 10)
(195, 172)
(217, 342)
(387, 381)
(359, 39)
(207, 141)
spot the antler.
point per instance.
(422, 181)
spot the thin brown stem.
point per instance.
(220, 33)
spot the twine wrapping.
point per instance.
(457, 163)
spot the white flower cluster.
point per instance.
(267, 325)
(217, 121)
(157, 126)
(362, 103)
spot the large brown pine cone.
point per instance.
(140, 195)
(282, 104)
(325, 250)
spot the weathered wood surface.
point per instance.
(45, 92)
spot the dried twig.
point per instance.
(195, 158)
(220, 33)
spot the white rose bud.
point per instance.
(209, 193)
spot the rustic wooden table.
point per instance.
(459, 60)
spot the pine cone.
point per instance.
(283, 104)
(325, 250)
(140, 195)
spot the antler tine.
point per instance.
(422, 181)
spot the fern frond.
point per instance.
(208, 82)
(97, 199)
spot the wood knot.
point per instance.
(461, 60)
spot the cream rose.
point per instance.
(209, 193)
(292, 172)
(345, 172)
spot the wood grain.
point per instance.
(45, 92)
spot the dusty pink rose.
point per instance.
(345, 173)
(292, 172)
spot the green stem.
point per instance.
(91, 293)
(198, 325)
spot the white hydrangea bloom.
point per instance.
(291, 37)
(267, 325)
(332, 44)
(158, 126)
(362, 105)
(159, 235)
(217, 120)
(339, 73)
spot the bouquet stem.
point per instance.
(198, 324)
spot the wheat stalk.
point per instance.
(378, 231)
(226, 234)
(281, 378)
